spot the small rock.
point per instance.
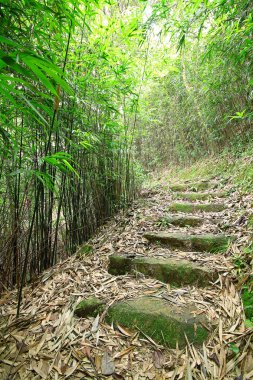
(89, 307)
(107, 365)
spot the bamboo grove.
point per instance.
(68, 105)
(92, 92)
(197, 98)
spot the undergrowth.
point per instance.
(231, 167)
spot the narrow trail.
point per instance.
(162, 272)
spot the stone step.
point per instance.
(193, 186)
(198, 243)
(164, 322)
(196, 207)
(192, 196)
(167, 270)
(181, 221)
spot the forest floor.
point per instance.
(49, 342)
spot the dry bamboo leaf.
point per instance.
(249, 375)
(189, 372)
(107, 365)
(95, 324)
(42, 368)
(9, 362)
(124, 352)
(158, 359)
(220, 331)
(124, 331)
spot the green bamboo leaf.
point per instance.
(43, 63)
(5, 136)
(45, 178)
(61, 160)
(6, 90)
(33, 108)
(28, 60)
(60, 81)
(7, 41)
(2, 64)
(11, 62)
(9, 79)
(70, 167)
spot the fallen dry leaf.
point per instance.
(107, 365)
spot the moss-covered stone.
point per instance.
(210, 243)
(89, 307)
(119, 265)
(199, 243)
(180, 221)
(196, 207)
(84, 250)
(165, 323)
(247, 298)
(192, 186)
(199, 196)
(174, 272)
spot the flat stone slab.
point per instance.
(198, 243)
(167, 270)
(193, 196)
(181, 221)
(192, 186)
(164, 322)
(197, 207)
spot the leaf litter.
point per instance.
(49, 342)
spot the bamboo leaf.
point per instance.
(30, 62)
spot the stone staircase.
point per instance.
(161, 320)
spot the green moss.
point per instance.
(174, 272)
(200, 243)
(211, 243)
(119, 265)
(84, 250)
(250, 222)
(89, 307)
(165, 323)
(199, 196)
(247, 298)
(194, 186)
(192, 207)
(181, 221)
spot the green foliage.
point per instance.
(164, 222)
(243, 264)
(68, 102)
(85, 250)
(247, 298)
(234, 348)
(248, 324)
(198, 96)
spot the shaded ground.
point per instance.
(49, 342)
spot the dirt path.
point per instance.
(50, 342)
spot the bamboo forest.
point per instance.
(126, 189)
